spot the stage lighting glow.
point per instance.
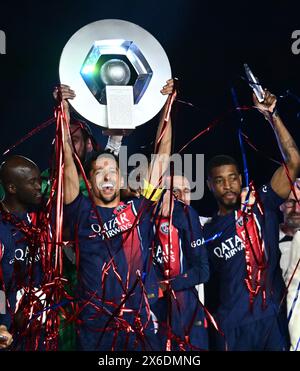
(88, 69)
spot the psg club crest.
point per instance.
(165, 227)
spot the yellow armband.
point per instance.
(150, 192)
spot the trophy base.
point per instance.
(123, 132)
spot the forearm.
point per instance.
(162, 151)
(71, 179)
(163, 138)
(71, 184)
(286, 143)
(282, 178)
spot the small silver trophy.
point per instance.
(254, 84)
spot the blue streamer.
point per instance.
(239, 112)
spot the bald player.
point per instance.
(181, 188)
(21, 181)
(20, 178)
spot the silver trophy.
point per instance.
(117, 70)
(254, 84)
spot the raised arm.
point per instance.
(163, 140)
(280, 182)
(71, 178)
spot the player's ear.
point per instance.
(89, 146)
(11, 188)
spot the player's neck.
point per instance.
(224, 211)
(114, 203)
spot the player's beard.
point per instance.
(235, 204)
(109, 199)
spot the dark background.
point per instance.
(207, 43)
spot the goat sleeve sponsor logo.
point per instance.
(197, 243)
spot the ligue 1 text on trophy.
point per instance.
(2, 42)
(296, 43)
